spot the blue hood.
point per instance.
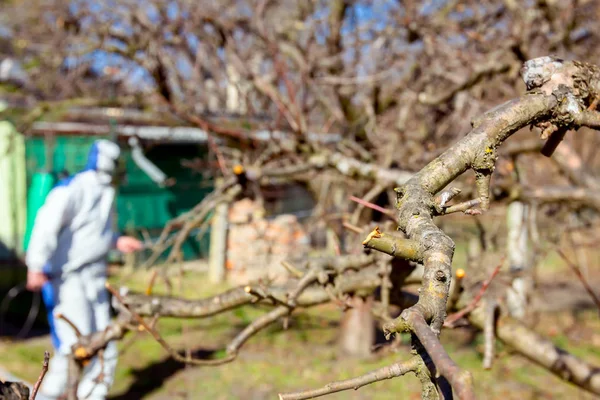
(103, 156)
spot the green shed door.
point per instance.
(142, 204)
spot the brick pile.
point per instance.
(256, 246)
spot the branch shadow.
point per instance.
(153, 376)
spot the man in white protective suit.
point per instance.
(66, 260)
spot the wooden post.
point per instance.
(335, 239)
(218, 244)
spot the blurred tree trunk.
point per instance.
(357, 329)
(218, 244)
(217, 253)
(519, 257)
(335, 232)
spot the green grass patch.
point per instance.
(302, 357)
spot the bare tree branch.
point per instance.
(542, 351)
(389, 372)
(38, 383)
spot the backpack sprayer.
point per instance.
(31, 316)
(46, 294)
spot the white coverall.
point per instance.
(71, 238)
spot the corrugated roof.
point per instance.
(163, 133)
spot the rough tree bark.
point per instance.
(560, 93)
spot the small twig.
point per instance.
(292, 270)
(258, 324)
(342, 304)
(221, 160)
(456, 289)
(38, 383)
(584, 282)
(451, 319)
(553, 141)
(258, 293)
(168, 283)
(71, 324)
(393, 245)
(446, 195)
(391, 371)
(281, 311)
(588, 118)
(466, 207)
(306, 280)
(153, 322)
(372, 206)
(75, 371)
(371, 195)
(262, 295)
(127, 345)
(100, 378)
(352, 228)
(151, 282)
(146, 235)
(161, 341)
